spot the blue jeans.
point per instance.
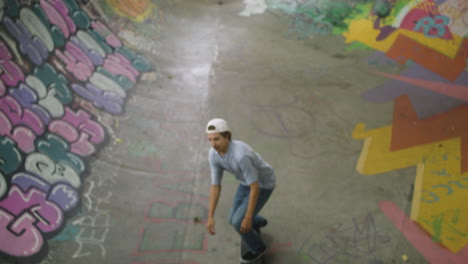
(238, 211)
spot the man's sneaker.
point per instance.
(250, 257)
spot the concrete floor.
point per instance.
(295, 101)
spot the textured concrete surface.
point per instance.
(297, 100)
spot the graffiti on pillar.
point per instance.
(53, 55)
(426, 40)
(440, 183)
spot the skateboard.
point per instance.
(245, 249)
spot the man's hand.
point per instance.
(246, 225)
(210, 226)
(214, 197)
(253, 197)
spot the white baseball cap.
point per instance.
(217, 125)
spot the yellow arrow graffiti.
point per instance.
(362, 30)
(440, 190)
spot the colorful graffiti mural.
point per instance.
(429, 127)
(318, 17)
(428, 39)
(53, 58)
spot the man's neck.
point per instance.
(222, 153)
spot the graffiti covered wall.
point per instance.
(60, 70)
(426, 41)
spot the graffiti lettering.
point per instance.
(48, 214)
(92, 44)
(44, 131)
(95, 225)
(20, 116)
(3, 185)
(65, 196)
(109, 37)
(51, 79)
(11, 74)
(23, 239)
(50, 171)
(95, 58)
(450, 190)
(28, 99)
(32, 47)
(23, 136)
(105, 84)
(36, 27)
(79, 130)
(76, 61)
(108, 101)
(10, 156)
(432, 27)
(56, 18)
(46, 98)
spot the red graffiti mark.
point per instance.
(278, 247)
(171, 185)
(453, 90)
(317, 100)
(405, 48)
(409, 131)
(164, 211)
(167, 262)
(151, 239)
(432, 252)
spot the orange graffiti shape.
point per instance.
(131, 8)
(409, 131)
(428, 6)
(405, 48)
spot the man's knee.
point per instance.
(236, 222)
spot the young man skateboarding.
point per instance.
(257, 181)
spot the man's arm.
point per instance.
(253, 198)
(214, 198)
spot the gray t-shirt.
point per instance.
(244, 163)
